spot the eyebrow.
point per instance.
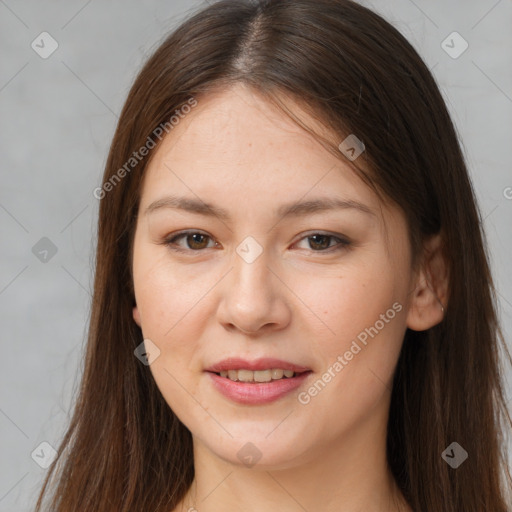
(298, 208)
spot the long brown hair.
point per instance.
(125, 450)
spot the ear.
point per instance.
(429, 298)
(136, 315)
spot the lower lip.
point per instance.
(257, 392)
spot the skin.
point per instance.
(300, 301)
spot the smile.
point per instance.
(254, 392)
(257, 376)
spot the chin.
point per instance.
(257, 449)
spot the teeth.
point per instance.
(263, 376)
(257, 376)
(277, 374)
(245, 376)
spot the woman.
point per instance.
(292, 306)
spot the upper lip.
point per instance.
(264, 363)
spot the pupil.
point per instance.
(194, 242)
(324, 237)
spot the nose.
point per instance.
(255, 299)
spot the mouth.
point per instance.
(257, 382)
(268, 375)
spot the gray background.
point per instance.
(57, 118)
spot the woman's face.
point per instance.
(321, 290)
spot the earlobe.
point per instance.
(136, 315)
(430, 295)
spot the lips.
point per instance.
(247, 382)
(265, 363)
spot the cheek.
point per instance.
(173, 305)
(363, 328)
(350, 301)
(170, 306)
(159, 292)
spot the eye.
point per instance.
(322, 241)
(196, 241)
(194, 238)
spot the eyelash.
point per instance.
(170, 242)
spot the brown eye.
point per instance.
(195, 241)
(321, 242)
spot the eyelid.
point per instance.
(343, 241)
(342, 238)
(169, 240)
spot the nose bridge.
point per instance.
(251, 273)
(253, 295)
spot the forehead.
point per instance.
(236, 141)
